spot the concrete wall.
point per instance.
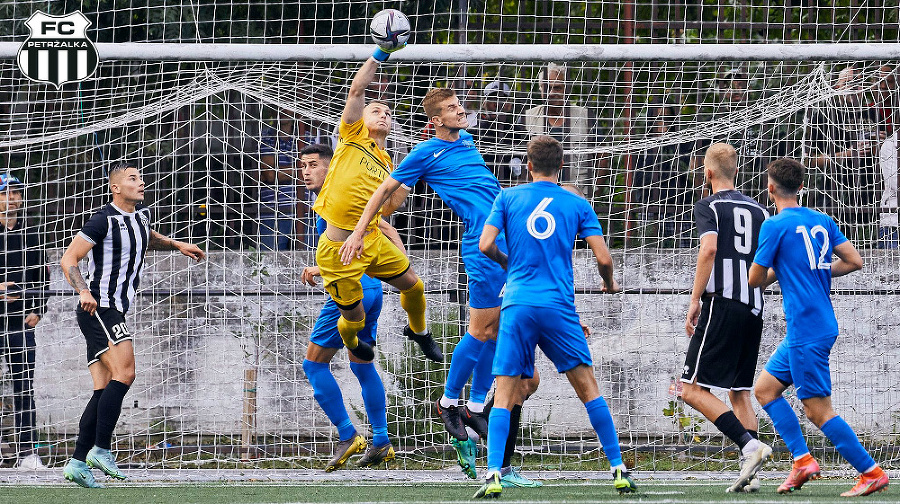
(192, 349)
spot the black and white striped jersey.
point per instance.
(115, 262)
(736, 220)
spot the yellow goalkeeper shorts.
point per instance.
(380, 259)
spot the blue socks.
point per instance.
(498, 431)
(602, 422)
(374, 399)
(847, 444)
(788, 426)
(328, 395)
(483, 376)
(464, 358)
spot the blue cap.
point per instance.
(7, 180)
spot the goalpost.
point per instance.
(219, 344)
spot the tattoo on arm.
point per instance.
(76, 280)
(160, 242)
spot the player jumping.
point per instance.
(359, 166)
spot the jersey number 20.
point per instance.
(540, 212)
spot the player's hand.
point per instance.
(87, 301)
(3, 295)
(611, 289)
(309, 274)
(352, 248)
(693, 317)
(191, 250)
(32, 319)
(585, 329)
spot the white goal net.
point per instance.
(220, 344)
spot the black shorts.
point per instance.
(725, 347)
(98, 335)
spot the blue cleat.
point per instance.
(78, 472)
(466, 451)
(515, 479)
(102, 459)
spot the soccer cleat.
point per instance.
(362, 351)
(100, 458)
(78, 472)
(623, 482)
(452, 422)
(804, 469)
(376, 455)
(750, 465)
(491, 489)
(477, 421)
(873, 481)
(31, 462)
(465, 456)
(426, 343)
(753, 486)
(515, 479)
(345, 450)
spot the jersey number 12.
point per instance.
(808, 235)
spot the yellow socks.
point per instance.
(413, 301)
(348, 330)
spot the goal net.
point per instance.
(219, 344)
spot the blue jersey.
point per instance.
(541, 221)
(797, 243)
(458, 174)
(366, 281)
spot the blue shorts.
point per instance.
(555, 330)
(486, 278)
(805, 366)
(325, 332)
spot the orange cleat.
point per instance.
(805, 468)
(873, 481)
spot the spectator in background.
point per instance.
(756, 144)
(498, 135)
(662, 175)
(23, 266)
(572, 125)
(888, 222)
(887, 99)
(844, 141)
(278, 148)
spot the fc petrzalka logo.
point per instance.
(58, 50)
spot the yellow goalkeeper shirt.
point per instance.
(357, 169)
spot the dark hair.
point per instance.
(119, 167)
(787, 174)
(321, 149)
(545, 154)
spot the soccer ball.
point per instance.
(389, 29)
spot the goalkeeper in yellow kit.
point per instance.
(359, 166)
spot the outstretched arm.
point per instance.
(160, 242)
(604, 263)
(356, 98)
(488, 245)
(353, 245)
(848, 260)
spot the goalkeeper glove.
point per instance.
(382, 55)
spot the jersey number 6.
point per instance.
(540, 212)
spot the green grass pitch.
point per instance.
(818, 492)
